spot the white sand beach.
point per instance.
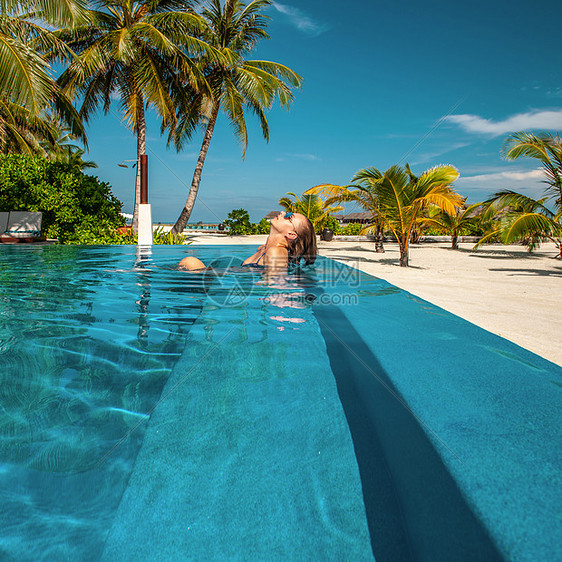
(503, 289)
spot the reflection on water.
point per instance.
(88, 338)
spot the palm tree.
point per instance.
(363, 193)
(237, 84)
(28, 91)
(25, 77)
(548, 150)
(140, 53)
(311, 206)
(23, 132)
(522, 218)
(452, 223)
(516, 217)
(397, 197)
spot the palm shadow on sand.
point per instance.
(384, 261)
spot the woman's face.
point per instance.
(286, 225)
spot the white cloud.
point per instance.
(310, 157)
(543, 120)
(300, 20)
(483, 185)
(516, 176)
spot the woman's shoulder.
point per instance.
(277, 251)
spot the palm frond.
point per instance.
(24, 77)
(524, 225)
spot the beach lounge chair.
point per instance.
(22, 227)
(3, 221)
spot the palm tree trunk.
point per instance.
(403, 252)
(379, 248)
(455, 240)
(141, 149)
(188, 208)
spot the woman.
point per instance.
(291, 238)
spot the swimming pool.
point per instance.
(154, 414)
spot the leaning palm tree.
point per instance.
(522, 218)
(141, 53)
(311, 206)
(398, 197)
(237, 85)
(463, 218)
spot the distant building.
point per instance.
(361, 218)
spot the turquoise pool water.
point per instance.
(153, 414)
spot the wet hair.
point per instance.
(304, 245)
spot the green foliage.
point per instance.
(263, 227)
(161, 237)
(238, 86)
(76, 208)
(238, 222)
(396, 198)
(29, 96)
(353, 229)
(333, 224)
(311, 206)
(515, 217)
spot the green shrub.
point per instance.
(352, 229)
(77, 208)
(331, 223)
(93, 231)
(263, 227)
(238, 222)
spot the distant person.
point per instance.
(291, 239)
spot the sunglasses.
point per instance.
(289, 216)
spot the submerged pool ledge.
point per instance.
(248, 455)
(461, 425)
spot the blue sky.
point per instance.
(433, 82)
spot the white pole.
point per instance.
(145, 225)
(145, 210)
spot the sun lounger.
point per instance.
(22, 226)
(3, 221)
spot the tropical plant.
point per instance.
(140, 53)
(362, 192)
(237, 85)
(352, 229)
(332, 224)
(263, 226)
(397, 198)
(160, 236)
(522, 218)
(516, 217)
(311, 206)
(64, 150)
(74, 205)
(462, 220)
(238, 223)
(28, 91)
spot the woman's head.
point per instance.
(299, 232)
